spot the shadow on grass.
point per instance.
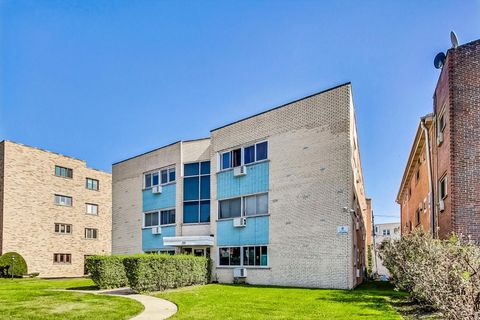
(92, 288)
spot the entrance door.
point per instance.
(197, 251)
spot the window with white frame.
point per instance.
(243, 256)
(196, 192)
(167, 217)
(91, 233)
(160, 177)
(63, 258)
(442, 187)
(63, 200)
(62, 228)
(386, 232)
(150, 219)
(244, 155)
(156, 218)
(252, 205)
(91, 208)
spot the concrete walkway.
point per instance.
(155, 308)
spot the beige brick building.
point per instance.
(275, 199)
(54, 210)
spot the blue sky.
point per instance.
(105, 80)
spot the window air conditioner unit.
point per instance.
(157, 189)
(239, 222)
(240, 273)
(157, 230)
(239, 171)
(439, 138)
(441, 205)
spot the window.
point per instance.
(243, 256)
(255, 256)
(196, 192)
(417, 216)
(63, 200)
(245, 155)
(230, 256)
(92, 184)
(243, 206)
(167, 216)
(162, 176)
(376, 230)
(91, 208)
(91, 233)
(64, 258)
(418, 175)
(63, 172)
(442, 188)
(386, 232)
(62, 228)
(441, 122)
(150, 219)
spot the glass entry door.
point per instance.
(197, 251)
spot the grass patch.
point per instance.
(37, 299)
(219, 301)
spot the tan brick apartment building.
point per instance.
(54, 210)
(440, 189)
(276, 198)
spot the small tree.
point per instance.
(13, 262)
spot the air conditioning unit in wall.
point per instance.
(239, 222)
(157, 230)
(439, 138)
(156, 189)
(240, 273)
(441, 205)
(239, 171)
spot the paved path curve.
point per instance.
(155, 308)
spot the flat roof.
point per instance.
(283, 105)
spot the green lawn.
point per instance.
(216, 301)
(37, 299)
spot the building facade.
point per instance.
(54, 211)
(443, 170)
(384, 232)
(276, 198)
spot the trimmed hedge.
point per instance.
(107, 271)
(146, 272)
(19, 265)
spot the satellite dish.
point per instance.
(439, 60)
(454, 39)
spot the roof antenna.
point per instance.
(454, 39)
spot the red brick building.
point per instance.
(440, 189)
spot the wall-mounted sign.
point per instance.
(342, 229)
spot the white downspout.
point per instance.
(430, 183)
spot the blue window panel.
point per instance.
(249, 155)
(205, 167)
(172, 174)
(226, 163)
(262, 151)
(164, 174)
(205, 187)
(155, 241)
(190, 188)
(190, 212)
(256, 232)
(155, 179)
(191, 169)
(166, 199)
(205, 211)
(148, 180)
(255, 181)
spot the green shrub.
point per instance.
(107, 271)
(159, 272)
(19, 265)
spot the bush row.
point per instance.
(147, 272)
(17, 266)
(441, 274)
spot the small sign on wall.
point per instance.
(342, 229)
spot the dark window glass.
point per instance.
(205, 211)
(249, 155)
(205, 167)
(235, 256)
(264, 256)
(168, 216)
(148, 180)
(57, 170)
(171, 173)
(205, 187)
(226, 163)
(155, 179)
(190, 212)
(151, 219)
(262, 152)
(191, 188)
(224, 256)
(191, 169)
(237, 157)
(257, 256)
(164, 176)
(230, 208)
